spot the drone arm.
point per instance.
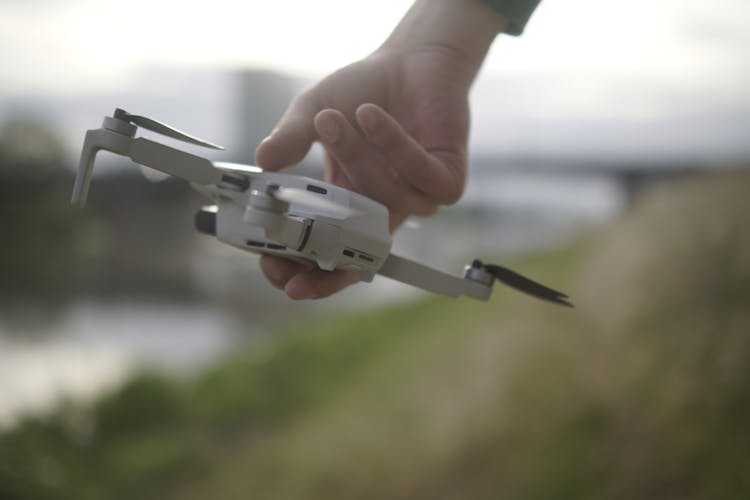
(173, 161)
(142, 151)
(428, 278)
(95, 141)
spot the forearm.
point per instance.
(464, 27)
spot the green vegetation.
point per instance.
(38, 238)
(642, 391)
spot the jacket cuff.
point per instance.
(517, 12)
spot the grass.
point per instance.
(642, 391)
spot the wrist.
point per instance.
(465, 27)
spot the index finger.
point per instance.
(290, 141)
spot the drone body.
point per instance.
(298, 218)
(292, 216)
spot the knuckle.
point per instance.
(397, 200)
(452, 192)
(453, 180)
(305, 98)
(421, 175)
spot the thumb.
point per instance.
(291, 139)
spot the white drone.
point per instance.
(288, 215)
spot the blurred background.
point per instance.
(609, 154)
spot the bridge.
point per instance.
(632, 177)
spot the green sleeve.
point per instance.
(517, 12)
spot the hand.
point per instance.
(394, 126)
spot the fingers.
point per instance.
(365, 167)
(439, 174)
(370, 153)
(317, 284)
(291, 139)
(350, 152)
(334, 174)
(279, 270)
(377, 161)
(304, 281)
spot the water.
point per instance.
(95, 346)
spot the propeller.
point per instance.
(313, 201)
(523, 284)
(163, 129)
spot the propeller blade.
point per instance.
(313, 201)
(523, 284)
(163, 129)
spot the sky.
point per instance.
(661, 74)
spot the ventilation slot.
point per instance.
(316, 189)
(366, 258)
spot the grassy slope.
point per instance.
(400, 418)
(640, 392)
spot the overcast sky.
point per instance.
(639, 63)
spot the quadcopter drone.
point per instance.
(291, 216)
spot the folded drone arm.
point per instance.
(95, 141)
(117, 137)
(476, 284)
(173, 162)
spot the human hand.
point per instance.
(394, 127)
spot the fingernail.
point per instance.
(368, 119)
(329, 130)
